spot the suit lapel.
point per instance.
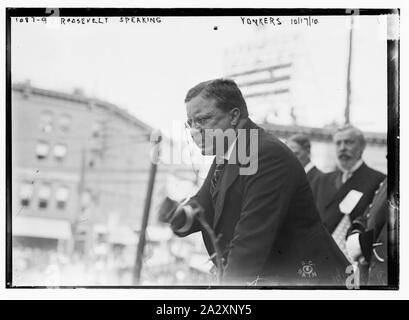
(230, 174)
(351, 183)
(313, 172)
(331, 188)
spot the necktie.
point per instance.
(338, 180)
(340, 233)
(216, 176)
(346, 175)
(341, 178)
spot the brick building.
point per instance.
(79, 166)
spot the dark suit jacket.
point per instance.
(269, 226)
(313, 175)
(328, 196)
(372, 227)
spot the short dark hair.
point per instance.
(302, 140)
(224, 91)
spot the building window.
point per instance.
(42, 149)
(46, 122)
(60, 151)
(65, 122)
(44, 194)
(26, 192)
(62, 197)
(97, 129)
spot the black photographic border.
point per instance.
(393, 132)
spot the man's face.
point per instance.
(302, 154)
(348, 148)
(203, 115)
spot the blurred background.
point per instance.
(86, 99)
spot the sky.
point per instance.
(148, 68)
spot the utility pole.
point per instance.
(81, 189)
(348, 93)
(81, 183)
(145, 217)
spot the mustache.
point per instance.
(198, 136)
(344, 156)
(194, 133)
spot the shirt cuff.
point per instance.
(190, 214)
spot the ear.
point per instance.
(234, 116)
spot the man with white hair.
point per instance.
(343, 195)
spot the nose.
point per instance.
(195, 132)
(342, 145)
(196, 126)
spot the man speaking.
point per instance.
(255, 198)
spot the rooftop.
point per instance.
(79, 97)
(322, 134)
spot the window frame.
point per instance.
(57, 157)
(62, 201)
(45, 199)
(44, 155)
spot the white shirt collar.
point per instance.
(346, 174)
(308, 167)
(227, 155)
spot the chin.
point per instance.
(346, 165)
